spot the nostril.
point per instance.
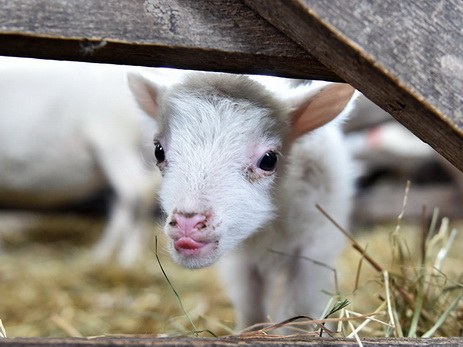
(189, 223)
(200, 226)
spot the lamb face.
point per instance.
(230, 152)
(221, 147)
(219, 150)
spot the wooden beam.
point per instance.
(407, 57)
(230, 341)
(221, 35)
(404, 56)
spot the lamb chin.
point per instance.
(197, 259)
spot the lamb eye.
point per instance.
(268, 161)
(159, 152)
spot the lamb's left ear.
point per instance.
(146, 93)
(320, 108)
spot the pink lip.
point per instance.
(188, 246)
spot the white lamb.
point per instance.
(67, 130)
(243, 169)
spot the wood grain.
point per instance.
(209, 35)
(406, 56)
(229, 341)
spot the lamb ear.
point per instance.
(321, 108)
(145, 92)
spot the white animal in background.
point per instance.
(243, 170)
(67, 130)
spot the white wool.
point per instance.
(67, 130)
(214, 128)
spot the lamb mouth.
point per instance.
(189, 247)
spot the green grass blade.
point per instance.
(418, 306)
(443, 317)
(172, 287)
(338, 306)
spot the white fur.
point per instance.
(214, 128)
(66, 131)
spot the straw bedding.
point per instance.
(51, 287)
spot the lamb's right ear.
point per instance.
(319, 109)
(146, 93)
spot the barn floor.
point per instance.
(51, 287)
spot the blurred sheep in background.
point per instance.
(387, 156)
(67, 131)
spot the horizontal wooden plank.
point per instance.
(220, 35)
(382, 202)
(405, 56)
(229, 341)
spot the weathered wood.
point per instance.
(211, 35)
(229, 341)
(383, 201)
(405, 56)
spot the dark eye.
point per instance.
(159, 152)
(268, 161)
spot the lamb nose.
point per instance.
(188, 223)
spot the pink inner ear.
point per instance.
(320, 108)
(145, 93)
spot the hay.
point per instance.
(419, 285)
(51, 287)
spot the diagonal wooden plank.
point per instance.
(220, 35)
(405, 56)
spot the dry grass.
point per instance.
(50, 287)
(416, 279)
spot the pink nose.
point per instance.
(188, 223)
